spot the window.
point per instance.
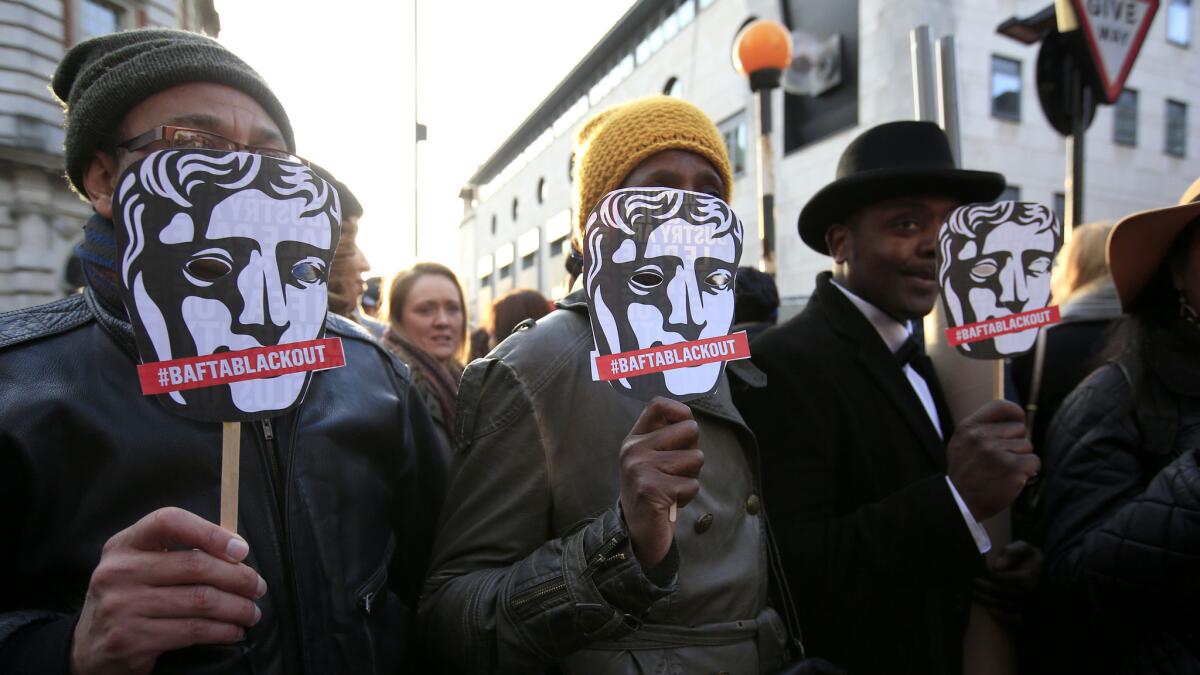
(98, 18)
(514, 209)
(504, 261)
(1012, 193)
(541, 190)
(1060, 206)
(670, 27)
(685, 13)
(1179, 22)
(1006, 88)
(528, 260)
(1176, 128)
(493, 223)
(557, 230)
(483, 270)
(1125, 116)
(642, 52)
(733, 130)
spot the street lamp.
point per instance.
(762, 49)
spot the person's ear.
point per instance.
(837, 240)
(99, 181)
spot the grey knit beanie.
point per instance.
(101, 79)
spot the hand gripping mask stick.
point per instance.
(659, 268)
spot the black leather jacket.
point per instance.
(338, 497)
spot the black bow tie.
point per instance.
(907, 352)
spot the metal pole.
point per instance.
(1075, 148)
(947, 91)
(416, 144)
(766, 183)
(924, 96)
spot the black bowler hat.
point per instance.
(893, 160)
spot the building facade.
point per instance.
(41, 219)
(1140, 152)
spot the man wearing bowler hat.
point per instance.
(875, 499)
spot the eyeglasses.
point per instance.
(182, 138)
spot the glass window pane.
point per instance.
(1060, 205)
(657, 38)
(643, 51)
(1176, 128)
(1179, 21)
(1006, 88)
(1125, 118)
(670, 26)
(97, 18)
(685, 13)
(733, 130)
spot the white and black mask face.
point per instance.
(995, 261)
(225, 251)
(659, 268)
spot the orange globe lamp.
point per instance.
(761, 51)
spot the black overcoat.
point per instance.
(878, 555)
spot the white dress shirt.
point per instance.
(894, 335)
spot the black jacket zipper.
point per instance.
(557, 585)
(279, 491)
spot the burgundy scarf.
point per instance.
(441, 382)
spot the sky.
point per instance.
(344, 72)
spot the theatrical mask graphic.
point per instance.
(221, 252)
(994, 261)
(659, 268)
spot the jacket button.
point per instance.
(753, 505)
(703, 523)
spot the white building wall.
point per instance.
(1119, 180)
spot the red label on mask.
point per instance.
(1014, 323)
(194, 372)
(668, 357)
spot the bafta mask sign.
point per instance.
(994, 263)
(224, 258)
(659, 268)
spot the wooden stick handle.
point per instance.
(231, 464)
(673, 513)
(998, 381)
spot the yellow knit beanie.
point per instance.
(610, 145)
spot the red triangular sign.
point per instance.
(1114, 30)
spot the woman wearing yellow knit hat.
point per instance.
(556, 545)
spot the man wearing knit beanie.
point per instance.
(113, 563)
(557, 547)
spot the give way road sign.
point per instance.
(1114, 30)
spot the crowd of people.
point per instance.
(458, 501)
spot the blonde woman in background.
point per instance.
(427, 329)
(1083, 290)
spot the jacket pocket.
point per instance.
(368, 592)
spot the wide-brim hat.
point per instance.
(893, 160)
(1138, 244)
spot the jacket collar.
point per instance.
(878, 362)
(116, 325)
